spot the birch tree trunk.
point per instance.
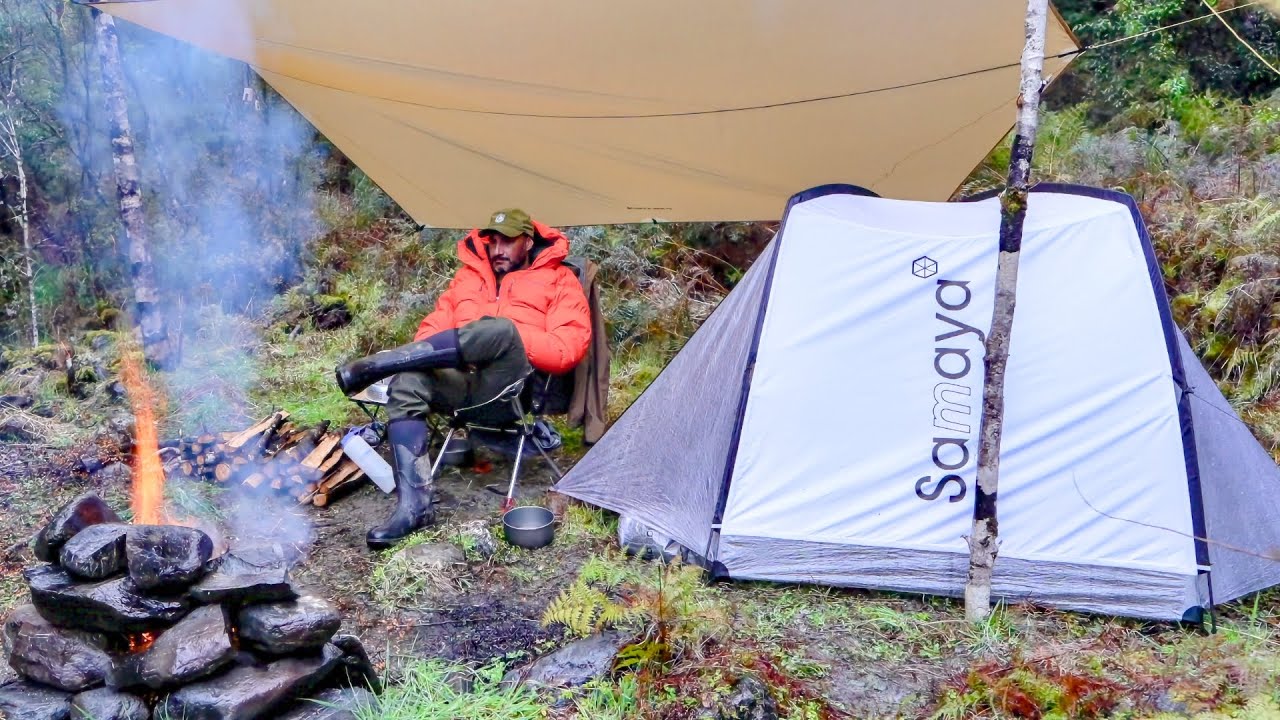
(984, 537)
(11, 143)
(27, 249)
(148, 316)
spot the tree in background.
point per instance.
(16, 200)
(157, 345)
(1165, 75)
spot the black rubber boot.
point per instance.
(408, 438)
(438, 351)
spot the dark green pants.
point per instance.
(495, 357)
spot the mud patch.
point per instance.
(479, 629)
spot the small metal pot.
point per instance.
(459, 453)
(528, 527)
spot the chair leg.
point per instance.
(555, 469)
(435, 466)
(515, 472)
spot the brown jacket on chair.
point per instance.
(589, 406)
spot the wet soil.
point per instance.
(489, 613)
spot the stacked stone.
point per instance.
(130, 622)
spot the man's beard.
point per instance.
(509, 266)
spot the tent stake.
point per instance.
(984, 538)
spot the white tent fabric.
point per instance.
(1083, 416)
(587, 112)
(851, 356)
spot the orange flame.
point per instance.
(141, 642)
(148, 474)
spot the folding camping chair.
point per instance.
(516, 416)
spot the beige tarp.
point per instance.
(611, 111)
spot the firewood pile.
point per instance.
(271, 456)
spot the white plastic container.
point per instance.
(369, 461)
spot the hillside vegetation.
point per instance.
(282, 259)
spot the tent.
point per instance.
(587, 112)
(822, 425)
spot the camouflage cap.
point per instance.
(512, 222)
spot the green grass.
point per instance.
(396, 583)
(583, 523)
(425, 692)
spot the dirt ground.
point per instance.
(870, 654)
(477, 614)
(481, 615)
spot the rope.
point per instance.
(823, 98)
(1167, 27)
(1243, 42)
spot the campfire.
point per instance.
(141, 620)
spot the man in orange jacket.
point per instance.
(512, 306)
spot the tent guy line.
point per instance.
(763, 106)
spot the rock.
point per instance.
(96, 552)
(167, 557)
(61, 658)
(575, 664)
(254, 574)
(1247, 312)
(90, 464)
(87, 509)
(116, 472)
(117, 391)
(104, 704)
(330, 315)
(15, 401)
(18, 429)
(281, 628)
(431, 557)
(248, 692)
(118, 432)
(749, 700)
(28, 701)
(196, 647)
(1253, 267)
(477, 536)
(108, 606)
(1166, 702)
(335, 704)
(258, 557)
(356, 669)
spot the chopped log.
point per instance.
(244, 436)
(258, 447)
(316, 457)
(292, 435)
(323, 497)
(227, 436)
(312, 437)
(334, 458)
(254, 480)
(206, 438)
(285, 436)
(277, 483)
(187, 467)
(344, 471)
(222, 472)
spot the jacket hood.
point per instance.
(549, 247)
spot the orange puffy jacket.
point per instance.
(544, 300)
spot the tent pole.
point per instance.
(984, 538)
